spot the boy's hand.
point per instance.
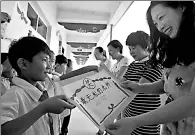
(121, 127)
(56, 104)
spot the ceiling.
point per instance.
(88, 22)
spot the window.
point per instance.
(32, 15)
(36, 22)
(42, 29)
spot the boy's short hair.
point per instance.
(69, 63)
(26, 48)
(5, 17)
(138, 38)
(51, 52)
(61, 59)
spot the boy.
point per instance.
(61, 67)
(21, 110)
(58, 64)
(61, 64)
(7, 73)
(66, 119)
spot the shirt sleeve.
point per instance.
(55, 78)
(109, 64)
(124, 62)
(152, 74)
(9, 106)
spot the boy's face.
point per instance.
(52, 60)
(39, 67)
(61, 68)
(137, 52)
(8, 70)
(4, 23)
(69, 69)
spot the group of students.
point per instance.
(30, 90)
(30, 105)
(164, 64)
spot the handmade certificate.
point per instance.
(98, 95)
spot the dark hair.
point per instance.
(138, 38)
(27, 48)
(167, 51)
(61, 59)
(116, 44)
(5, 17)
(69, 63)
(101, 50)
(51, 53)
(4, 57)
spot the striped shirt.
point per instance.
(143, 103)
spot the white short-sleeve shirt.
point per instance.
(19, 100)
(107, 63)
(123, 62)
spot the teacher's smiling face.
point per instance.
(167, 19)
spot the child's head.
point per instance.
(99, 53)
(29, 56)
(52, 59)
(7, 68)
(115, 48)
(5, 19)
(61, 64)
(69, 66)
(138, 43)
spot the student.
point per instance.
(21, 110)
(100, 54)
(66, 119)
(5, 39)
(58, 74)
(69, 66)
(52, 60)
(7, 73)
(5, 19)
(172, 34)
(58, 65)
(61, 64)
(60, 68)
(115, 49)
(141, 71)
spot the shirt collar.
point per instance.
(142, 60)
(31, 90)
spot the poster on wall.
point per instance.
(98, 95)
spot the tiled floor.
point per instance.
(80, 124)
